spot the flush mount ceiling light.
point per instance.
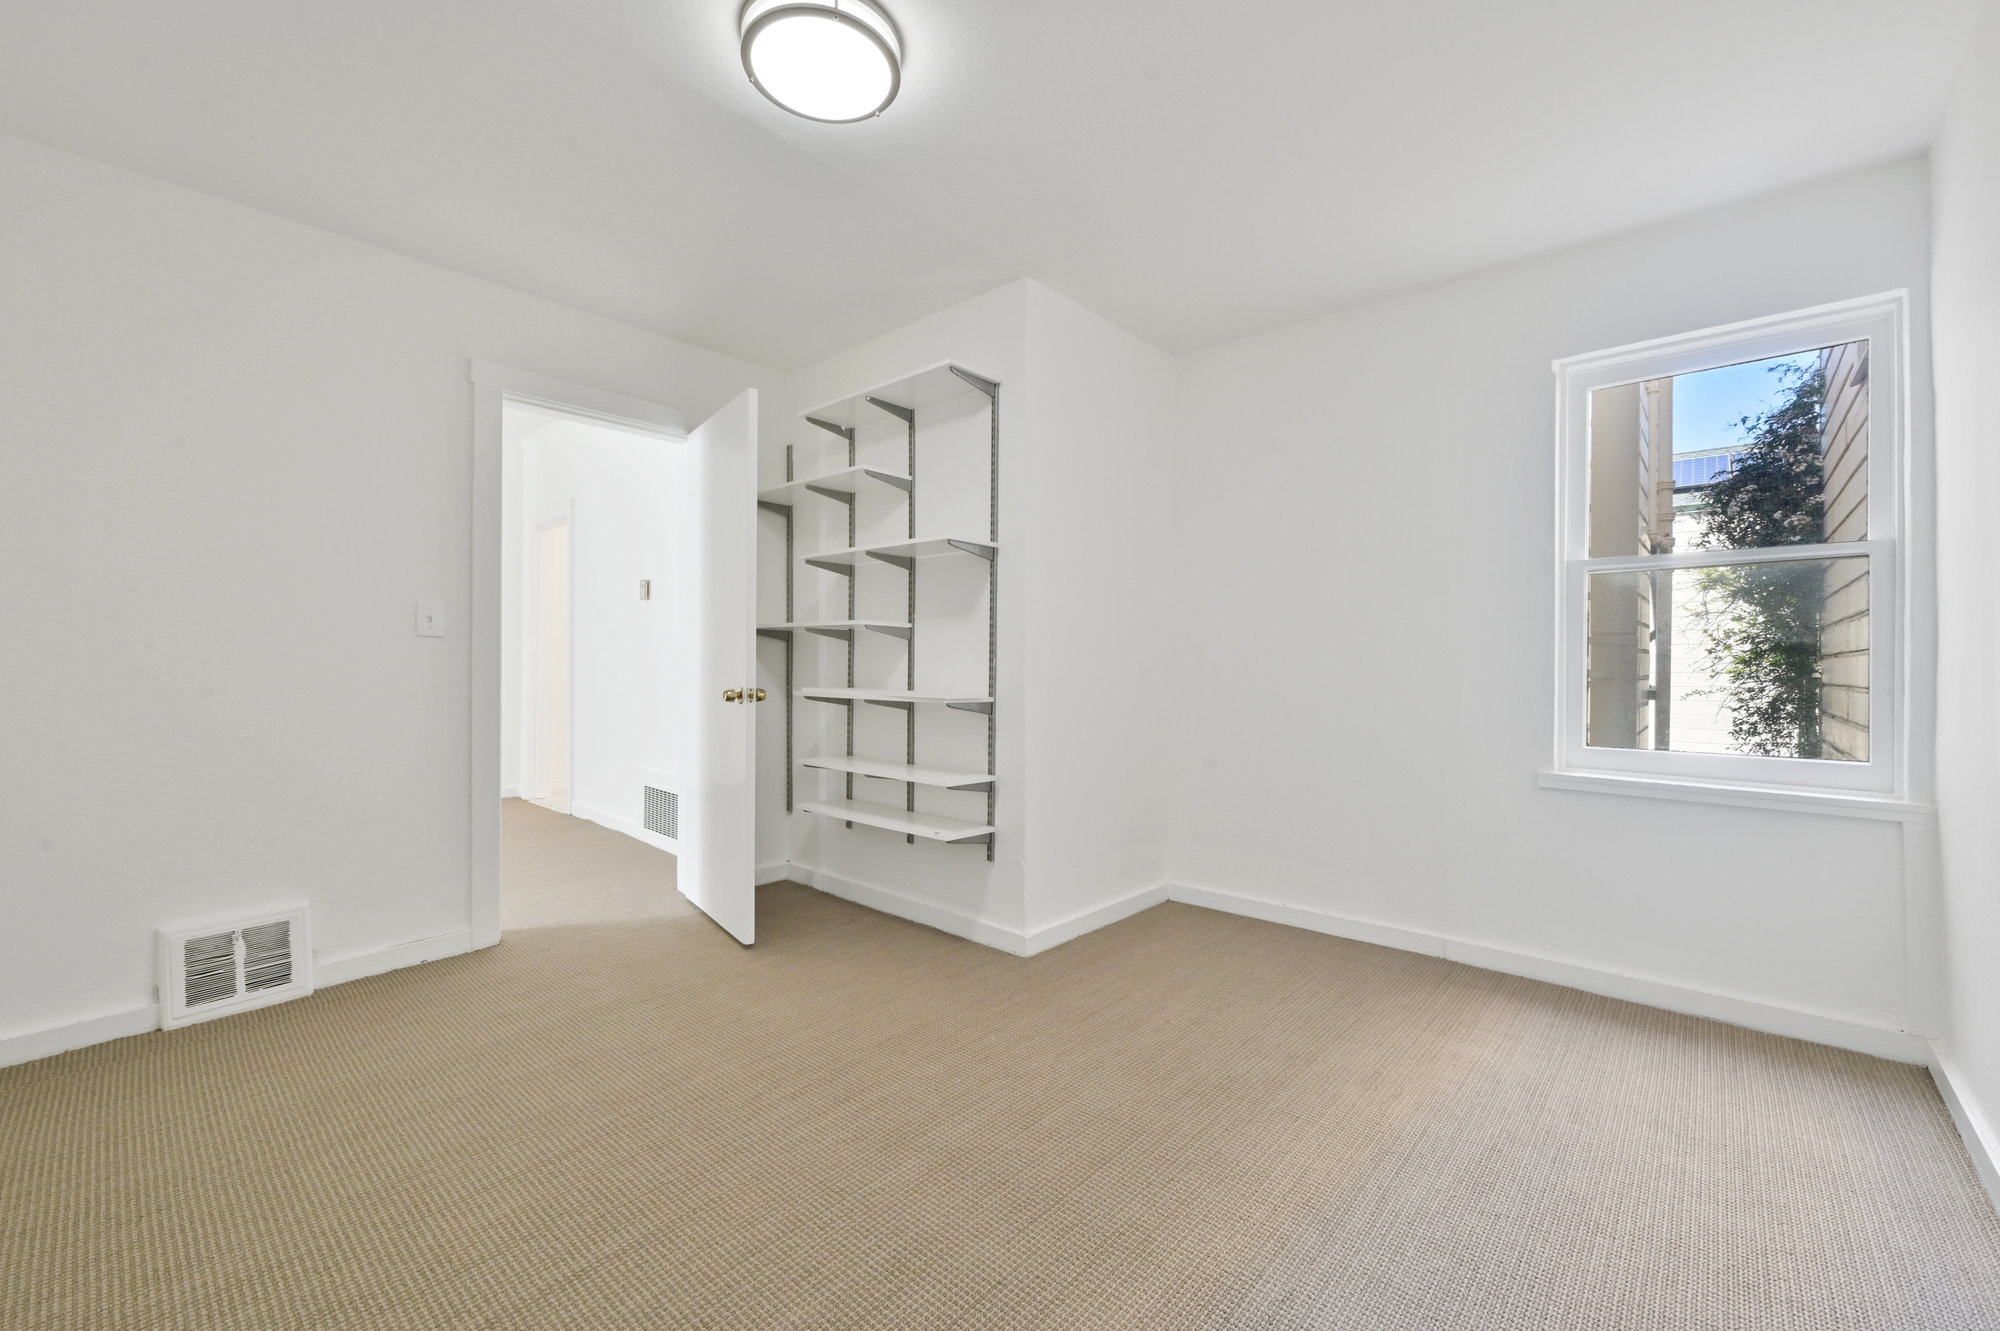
(835, 61)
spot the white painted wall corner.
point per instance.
(1087, 921)
(1974, 1127)
(379, 955)
(945, 919)
(963, 924)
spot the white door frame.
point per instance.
(563, 516)
(492, 387)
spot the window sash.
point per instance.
(1876, 775)
(1881, 321)
(1763, 554)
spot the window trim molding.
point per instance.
(1880, 787)
(1838, 803)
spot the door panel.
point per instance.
(717, 867)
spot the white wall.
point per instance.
(1365, 511)
(238, 452)
(1966, 283)
(1102, 603)
(630, 667)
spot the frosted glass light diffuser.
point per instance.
(836, 61)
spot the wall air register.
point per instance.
(213, 967)
(663, 813)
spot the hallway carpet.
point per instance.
(619, 1118)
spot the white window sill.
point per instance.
(1840, 804)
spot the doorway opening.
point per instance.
(613, 627)
(591, 668)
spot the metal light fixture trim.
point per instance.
(861, 16)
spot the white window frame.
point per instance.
(1879, 786)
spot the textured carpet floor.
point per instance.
(620, 1118)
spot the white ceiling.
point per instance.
(1194, 171)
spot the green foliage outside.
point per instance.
(1762, 621)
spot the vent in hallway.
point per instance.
(663, 813)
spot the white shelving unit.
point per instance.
(897, 698)
(848, 481)
(906, 772)
(840, 628)
(924, 826)
(894, 550)
(956, 393)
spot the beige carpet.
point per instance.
(620, 1118)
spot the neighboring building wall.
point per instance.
(1656, 441)
(1621, 615)
(1844, 621)
(1656, 437)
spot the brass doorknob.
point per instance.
(760, 696)
(732, 695)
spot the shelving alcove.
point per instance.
(910, 471)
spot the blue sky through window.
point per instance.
(1708, 404)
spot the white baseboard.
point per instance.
(1305, 917)
(28, 1044)
(359, 960)
(775, 873)
(1735, 1010)
(510, 792)
(333, 966)
(631, 829)
(1973, 1126)
(946, 919)
(1085, 921)
(963, 924)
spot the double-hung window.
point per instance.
(1731, 504)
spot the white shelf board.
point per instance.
(966, 701)
(937, 545)
(889, 627)
(925, 388)
(929, 826)
(918, 549)
(923, 776)
(847, 480)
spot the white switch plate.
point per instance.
(430, 619)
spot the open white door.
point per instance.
(717, 869)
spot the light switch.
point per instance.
(645, 589)
(430, 619)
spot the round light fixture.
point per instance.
(835, 61)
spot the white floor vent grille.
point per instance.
(663, 813)
(213, 967)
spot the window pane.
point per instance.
(1767, 659)
(1770, 452)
